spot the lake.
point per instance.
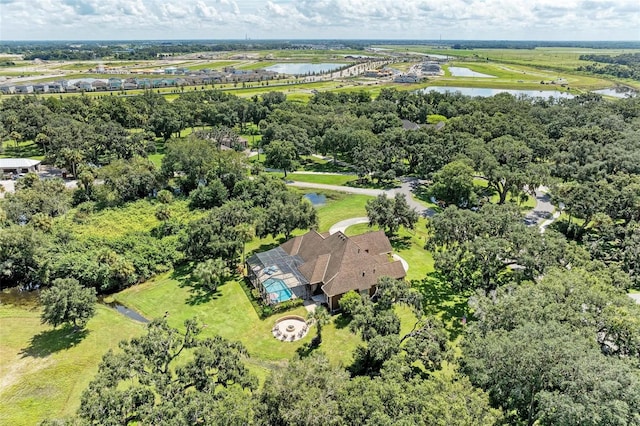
(618, 93)
(304, 68)
(466, 72)
(485, 92)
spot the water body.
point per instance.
(466, 72)
(304, 68)
(316, 199)
(30, 299)
(485, 92)
(127, 312)
(617, 92)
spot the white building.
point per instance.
(18, 165)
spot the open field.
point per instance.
(513, 69)
(43, 371)
(24, 149)
(549, 62)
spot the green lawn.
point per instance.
(24, 149)
(43, 371)
(340, 206)
(229, 313)
(340, 180)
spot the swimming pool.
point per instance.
(277, 290)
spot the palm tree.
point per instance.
(211, 273)
(246, 232)
(320, 316)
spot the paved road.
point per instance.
(544, 213)
(405, 189)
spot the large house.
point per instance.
(323, 267)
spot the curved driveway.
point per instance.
(405, 188)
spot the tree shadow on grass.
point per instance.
(342, 321)
(265, 247)
(50, 341)
(400, 243)
(308, 348)
(441, 300)
(198, 293)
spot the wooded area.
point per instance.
(551, 338)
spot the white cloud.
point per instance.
(410, 19)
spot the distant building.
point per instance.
(55, 87)
(24, 89)
(431, 68)
(40, 88)
(407, 78)
(99, 85)
(18, 165)
(114, 84)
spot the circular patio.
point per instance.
(290, 328)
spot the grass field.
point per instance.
(342, 180)
(515, 65)
(43, 371)
(25, 149)
(340, 206)
(137, 216)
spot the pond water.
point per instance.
(30, 299)
(127, 312)
(486, 92)
(466, 72)
(304, 68)
(316, 199)
(617, 92)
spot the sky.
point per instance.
(320, 19)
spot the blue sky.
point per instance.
(317, 19)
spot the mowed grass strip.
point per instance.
(325, 179)
(43, 371)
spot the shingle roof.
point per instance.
(341, 263)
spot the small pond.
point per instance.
(127, 312)
(304, 68)
(316, 199)
(466, 72)
(618, 92)
(476, 91)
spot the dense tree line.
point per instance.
(147, 50)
